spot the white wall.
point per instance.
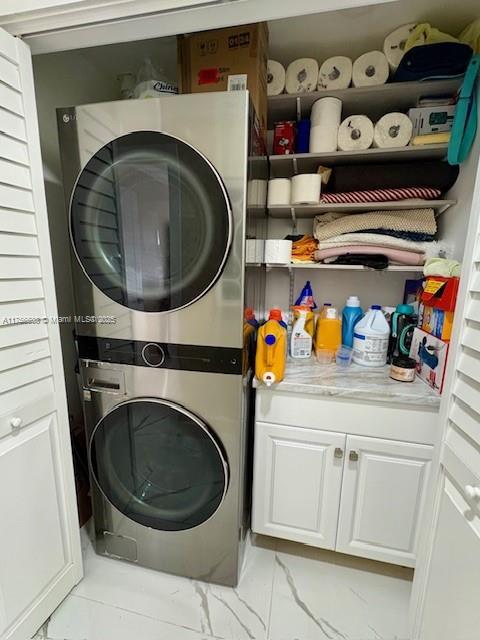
(353, 31)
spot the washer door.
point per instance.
(151, 222)
(158, 464)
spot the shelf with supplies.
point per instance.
(345, 267)
(309, 211)
(373, 101)
(286, 166)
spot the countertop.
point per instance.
(373, 384)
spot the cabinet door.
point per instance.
(297, 480)
(383, 492)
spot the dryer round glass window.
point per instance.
(151, 222)
(159, 464)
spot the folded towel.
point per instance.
(382, 195)
(430, 249)
(395, 256)
(440, 267)
(417, 220)
(303, 248)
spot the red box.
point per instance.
(440, 292)
(284, 138)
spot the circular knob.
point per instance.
(15, 423)
(153, 355)
(472, 492)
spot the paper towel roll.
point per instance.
(302, 76)
(323, 139)
(278, 251)
(369, 69)
(275, 78)
(279, 192)
(394, 44)
(392, 130)
(306, 188)
(326, 112)
(355, 132)
(335, 73)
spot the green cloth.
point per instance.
(471, 35)
(424, 33)
(442, 267)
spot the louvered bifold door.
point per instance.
(39, 543)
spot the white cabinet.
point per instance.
(358, 495)
(383, 493)
(298, 476)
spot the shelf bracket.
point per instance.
(299, 108)
(294, 220)
(295, 166)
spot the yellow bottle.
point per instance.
(271, 353)
(328, 334)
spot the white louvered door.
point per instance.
(449, 594)
(40, 558)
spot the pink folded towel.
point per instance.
(395, 256)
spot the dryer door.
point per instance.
(158, 464)
(151, 222)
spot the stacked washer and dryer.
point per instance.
(156, 192)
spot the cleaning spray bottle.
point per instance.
(301, 339)
(271, 353)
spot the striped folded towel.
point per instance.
(332, 224)
(382, 195)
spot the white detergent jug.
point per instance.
(370, 338)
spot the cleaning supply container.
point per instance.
(309, 322)
(328, 334)
(301, 339)
(351, 314)
(305, 299)
(402, 323)
(271, 353)
(370, 338)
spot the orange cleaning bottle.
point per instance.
(271, 353)
(328, 334)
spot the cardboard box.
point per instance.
(437, 322)
(440, 292)
(231, 59)
(430, 354)
(427, 120)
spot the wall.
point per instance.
(353, 31)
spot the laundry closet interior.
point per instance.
(333, 503)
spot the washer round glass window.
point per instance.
(159, 465)
(151, 222)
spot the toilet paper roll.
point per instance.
(279, 192)
(278, 251)
(323, 139)
(326, 112)
(335, 73)
(369, 69)
(306, 188)
(275, 78)
(302, 76)
(355, 132)
(392, 130)
(394, 44)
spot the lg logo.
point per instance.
(67, 118)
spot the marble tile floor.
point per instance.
(287, 592)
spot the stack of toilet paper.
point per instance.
(304, 188)
(325, 120)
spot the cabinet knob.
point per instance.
(472, 492)
(353, 456)
(15, 423)
(338, 453)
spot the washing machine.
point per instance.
(167, 433)
(156, 194)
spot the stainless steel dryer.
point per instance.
(156, 192)
(167, 453)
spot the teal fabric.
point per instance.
(465, 122)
